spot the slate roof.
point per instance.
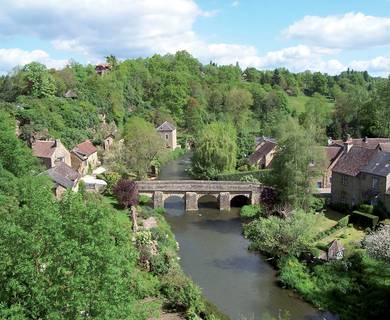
(43, 149)
(379, 164)
(63, 175)
(84, 149)
(370, 143)
(264, 149)
(351, 162)
(166, 126)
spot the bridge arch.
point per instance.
(208, 200)
(239, 200)
(174, 203)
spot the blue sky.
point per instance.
(324, 35)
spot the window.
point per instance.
(166, 137)
(344, 180)
(375, 183)
(319, 184)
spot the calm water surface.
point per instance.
(214, 254)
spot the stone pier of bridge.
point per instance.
(192, 190)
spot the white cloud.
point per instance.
(10, 58)
(379, 65)
(351, 30)
(235, 3)
(101, 27)
(131, 28)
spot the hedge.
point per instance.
(261, 175)
(364, 219)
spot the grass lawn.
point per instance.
(327, 220)
(298, 103)
(348, 236)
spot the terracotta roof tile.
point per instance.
(43, 149)
(370, 143)
(85, 149)
(352, 162)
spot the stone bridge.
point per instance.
(192, 190)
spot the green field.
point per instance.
(298, 103)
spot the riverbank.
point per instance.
(173, 295)
(348, 285)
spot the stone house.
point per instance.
(51, 152)
(64, 178)
(264, 152)
(168, 133)
(332, 155)
(84, 157)
(362, 175)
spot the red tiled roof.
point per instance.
(264, 149)
(370, 143)
(332, 152)
(43, 149)
(351, 162)
(385, 146)
(85, 148)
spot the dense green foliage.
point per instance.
(282, 237)
(216, 151)
(251, 211)
(295, 164)
(355, 288)
(75, 258)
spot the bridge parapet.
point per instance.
(192, 190)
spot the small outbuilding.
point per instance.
(84, 157)
(335, 251)
(167, 132)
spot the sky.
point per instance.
(318, 35)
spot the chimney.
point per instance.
(364, 139)
(330, 141)
(56, 143)
(347, 146)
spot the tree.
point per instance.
(377, 244)
(141, 145)
(282, 237)
(296, 162)
(238, 102)
(126, 192)
(40, 83)
(216, 150)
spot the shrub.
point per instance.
(364, 219)
(143, 200)
(343, 222)
(159, 210)
(317, 204)
(251, 211)
(181, 293)
(366, 208)
(112, 178)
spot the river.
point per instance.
(214, 254)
